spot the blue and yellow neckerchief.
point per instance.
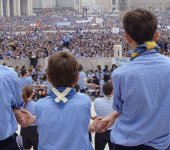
(142, 48)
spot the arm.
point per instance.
(24, 118)
(107, 122)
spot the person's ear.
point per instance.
(49, 79)
(77, 78)
(128, 38)
(156, 35)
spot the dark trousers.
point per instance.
(140, 147)
(30, 137)
(9, 143)
(101, 139)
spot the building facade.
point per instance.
(69, 4)
(152, 5)
(44, 4)
(15, 8)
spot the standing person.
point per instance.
(68, 113)
(81, 79)
(29, 134)
(10, 103)
(103, 108)
(141, 90)
(33, 60)
(25, 80)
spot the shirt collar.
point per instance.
(149, 52)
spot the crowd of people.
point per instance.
(132, 102)
(20, 41)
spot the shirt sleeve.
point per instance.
(13, 86)
(117, 102)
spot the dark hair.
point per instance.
(106, 66)
(23, 67)
(16, 67)
(77, 87)
(114, 65)
(27, 91)
(23, 72)
(107, 88)
(106, 78)
(80, 67)
(99, 67)
(4, 64)
(91, 71)
(62, 69)
(140, 25)
(44, 76)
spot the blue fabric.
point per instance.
(103, 107)
(81, 80)
(9, 96)
(30, 106)
(25, 81)
(141, 95)
(64, 128)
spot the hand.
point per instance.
(104, 124)
(24, 118)
(92, 126)
(30, 119)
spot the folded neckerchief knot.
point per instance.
(142, 48)
(61, 96)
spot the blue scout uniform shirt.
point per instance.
(30, 106)
(141, 95)
(9, 96)
(103, 107)
(64, 126)
(25, 81)
(81, 80)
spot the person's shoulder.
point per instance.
(7, 72)
(81, 97)
(97, 100)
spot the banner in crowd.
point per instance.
(115, 30)
(63, 24)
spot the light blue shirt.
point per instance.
(103, 107)
(10, 95)
(64, 126)
(25, 81)
(141, 95)
(30, 106)
(81, 80)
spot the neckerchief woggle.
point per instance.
(142, 48)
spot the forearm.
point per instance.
(114, 115)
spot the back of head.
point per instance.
(23, 72)
(106, 78)
(140, 25)
(80, 67)
(27, 91)
(107, 88)
(62, 69)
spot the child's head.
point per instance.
(80, 67)
(98, 67)
(106, 78)
(27, 93)
(90, 71)
(140, 26)
(108, 88)
(62, 69)
(77, 87)
(24, 72)
(41, 79)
